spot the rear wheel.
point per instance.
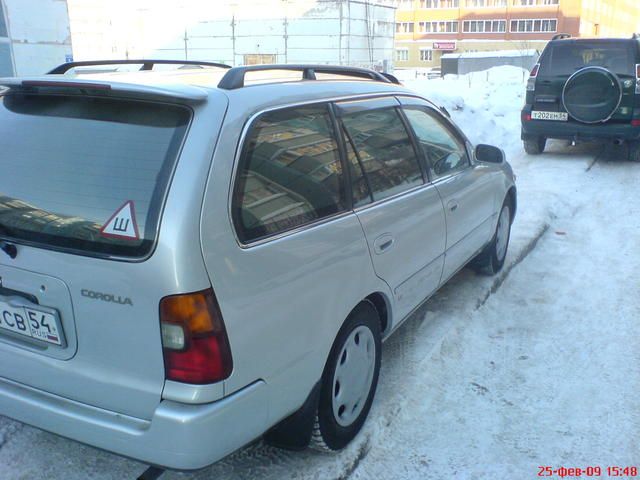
(491, 260)
(349, 380)
(535, 145)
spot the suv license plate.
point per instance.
(558, 116)
(30, 322)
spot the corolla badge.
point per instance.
(106, 297)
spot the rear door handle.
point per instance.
(452, 205)
(383, 243)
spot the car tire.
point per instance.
(491, 260)
(535, 145)
(634, 152)
(355, 360)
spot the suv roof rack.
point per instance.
(561, 36)
(147, 64)
(234, 78)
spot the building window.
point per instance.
(404, 27)
(439, 3)
(426, 55)
(531, 3)
(402, 55)
(439, 27)
(405, 4)
(534, 26)
(484, 26)
(486, 3)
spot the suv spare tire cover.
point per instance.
(592, 94)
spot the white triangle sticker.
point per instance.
(122, 224)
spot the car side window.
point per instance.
(444, 152)
(382, 148)
(290, 173)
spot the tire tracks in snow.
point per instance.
(524, 253)
(8, 429)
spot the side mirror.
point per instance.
(489, 154)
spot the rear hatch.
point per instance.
(82, 186)
(563, 58)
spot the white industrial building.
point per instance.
(237, 32)
(34, 36)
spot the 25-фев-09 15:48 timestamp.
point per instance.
(620, 471)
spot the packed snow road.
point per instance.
(493, 377)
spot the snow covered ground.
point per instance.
(493, 377)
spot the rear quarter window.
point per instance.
(289, 175)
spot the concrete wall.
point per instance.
(348, 32)
(38, 36)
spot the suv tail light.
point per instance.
(531, 83)
(194, 340)
(638, 78)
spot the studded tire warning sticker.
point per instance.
(122, 224)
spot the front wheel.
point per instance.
(349, 380)
(491, 259)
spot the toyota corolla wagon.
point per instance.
(192, 259)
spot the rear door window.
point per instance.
(290, 173)
(384, 153)
(86, 174)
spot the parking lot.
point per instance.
(493, 377)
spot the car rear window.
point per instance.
(86, 174)
(567, 58)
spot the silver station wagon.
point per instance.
(194, 258)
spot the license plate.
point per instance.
(558, 116)
(30, 320)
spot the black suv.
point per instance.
(584, 89)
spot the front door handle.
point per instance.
(383, 243)
(452, 206)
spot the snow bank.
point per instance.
(485, 104)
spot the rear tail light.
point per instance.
(637, 78)
(531, 83)
(635, 122)
(526, 117)
(194, 340)
(534, 70)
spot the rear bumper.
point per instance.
(179, 436)
(573, 130)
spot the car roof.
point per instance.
(195, 85)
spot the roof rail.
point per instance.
(561, 36)
(234, 78)
(147, 64)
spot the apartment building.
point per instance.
(427, 29)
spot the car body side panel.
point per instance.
(412, 265)
(284, 300)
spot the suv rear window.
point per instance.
(567, 58)
(86, 174)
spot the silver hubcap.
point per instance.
(353, 376)
(502, 233)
